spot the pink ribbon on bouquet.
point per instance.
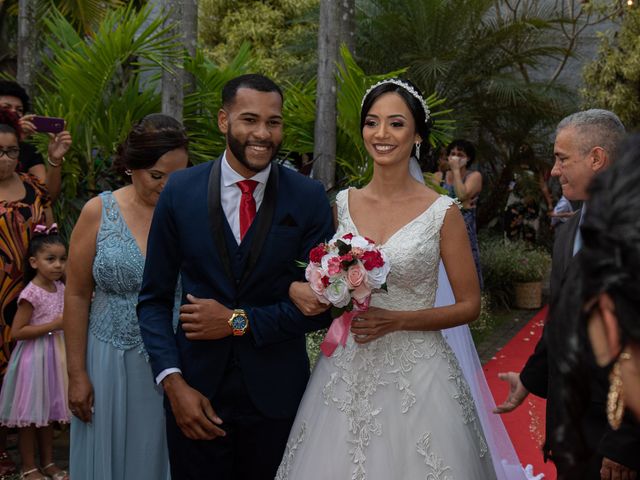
(340, 327)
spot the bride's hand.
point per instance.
(373, 324)
(306, 300)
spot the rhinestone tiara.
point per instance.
(408, 88)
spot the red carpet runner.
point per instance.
(526, 424)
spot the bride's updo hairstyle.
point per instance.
(148, 140)
(415, 102)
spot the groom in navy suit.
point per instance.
(231, 231)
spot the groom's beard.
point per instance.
(239, 151)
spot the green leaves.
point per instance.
(202, 104)
(100, 85)
(352, 160)
(613, 77)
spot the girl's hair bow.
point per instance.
(44, 230)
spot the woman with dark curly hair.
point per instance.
(600, 299)
(118, 426)
(24, 203)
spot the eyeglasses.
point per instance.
(12, 153)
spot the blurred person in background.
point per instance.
(15, 99)
(464, 184)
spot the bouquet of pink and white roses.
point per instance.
(343, 273)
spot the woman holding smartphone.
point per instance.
(15, 99)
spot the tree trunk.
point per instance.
(324, 149)
(347, 22)
(26, 43)
(173, 75)
(190, 35)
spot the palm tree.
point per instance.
(95, 84)
(484, 57)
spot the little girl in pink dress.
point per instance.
(34, 391)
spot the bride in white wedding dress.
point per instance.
(393, 402)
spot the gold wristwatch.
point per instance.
(239, 322)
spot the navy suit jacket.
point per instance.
(190, 237)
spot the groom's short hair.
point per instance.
(254, 81)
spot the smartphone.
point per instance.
(48, 124)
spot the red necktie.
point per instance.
(247, 205)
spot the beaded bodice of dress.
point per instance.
(117, 271)
(413, 252)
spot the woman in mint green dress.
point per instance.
(118, 431)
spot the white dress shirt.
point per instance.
(230, 195)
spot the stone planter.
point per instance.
(528, 295)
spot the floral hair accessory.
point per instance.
(400, 83)
(44, 230)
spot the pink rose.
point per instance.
(314, 276)
(356, 275)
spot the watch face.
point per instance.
(239, 322)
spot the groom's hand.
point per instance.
(306, 300)
(205, 319)
(192, 410)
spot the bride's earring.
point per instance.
(418, 150)
(128, 172)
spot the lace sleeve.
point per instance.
(444, 204)
(341, 203)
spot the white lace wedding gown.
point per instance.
(398, 407)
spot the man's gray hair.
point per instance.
(597, 128)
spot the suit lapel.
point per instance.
(264, 220)
(216, 217)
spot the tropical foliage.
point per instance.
(282, 34)
(84, 15)
(505, 263)
(202, 105)
(100, 86)
(487, 77)
(613, 78)
(496, 63)
(353, 162)
(103, 84)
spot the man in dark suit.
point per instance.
(231, 230)
(585, 145)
